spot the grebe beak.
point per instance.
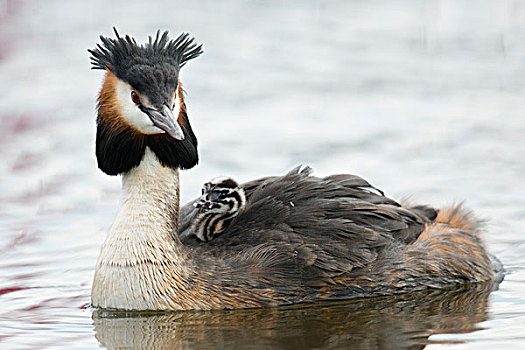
(164, 120)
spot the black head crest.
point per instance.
(120, 54)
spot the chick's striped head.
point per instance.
(222, 199)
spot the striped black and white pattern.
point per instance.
(222, 199)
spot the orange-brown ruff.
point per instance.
(299, 238)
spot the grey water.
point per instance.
(425, 99)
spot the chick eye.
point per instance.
(215, 195)
(135, 97)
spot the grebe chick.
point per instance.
(300, 238)
(221, 201)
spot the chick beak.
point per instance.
(202, 203)
(164, 120)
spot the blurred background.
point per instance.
(425, 99)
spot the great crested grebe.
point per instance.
(221, 201)
(298, 239)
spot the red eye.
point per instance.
(135, 97)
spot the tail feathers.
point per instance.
(459, 217)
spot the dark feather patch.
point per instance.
(229, 183)
(118, 149)
(151, 68)
(307, 239)
(120, 54)
(321, 227)
(180, 154)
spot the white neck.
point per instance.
(142, 241)
(150, 202)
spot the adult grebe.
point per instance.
(299, 238)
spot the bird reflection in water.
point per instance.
(404, 321)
